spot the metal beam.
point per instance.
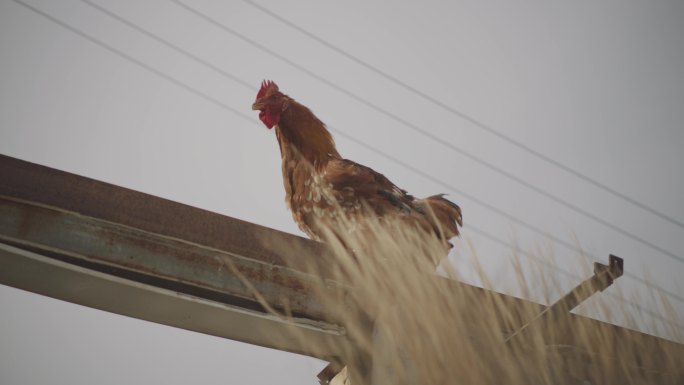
(160, 260)
(115, 249)
(127, 271)
(149, 243)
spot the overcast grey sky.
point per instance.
(594, 85)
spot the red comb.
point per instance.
(266, 86)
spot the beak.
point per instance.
(257, 106)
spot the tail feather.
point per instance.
(446, 216)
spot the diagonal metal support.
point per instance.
(604, 276)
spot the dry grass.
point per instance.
(423, 329)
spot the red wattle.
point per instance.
(269, 120)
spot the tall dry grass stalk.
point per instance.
(409, 326)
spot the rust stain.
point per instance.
(272, 281)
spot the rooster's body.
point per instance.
(323, 190)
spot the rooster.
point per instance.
(322, 187)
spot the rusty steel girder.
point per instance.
(115, 249)
(123, 251)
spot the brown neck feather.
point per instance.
(301, 133)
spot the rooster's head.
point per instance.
(270, 102)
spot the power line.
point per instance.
(382, 153)
(429, 135)
(202, 95)
(133, 60)
(466, 117)
(167, 43)
(358, 142)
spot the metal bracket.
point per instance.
(604, 276)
